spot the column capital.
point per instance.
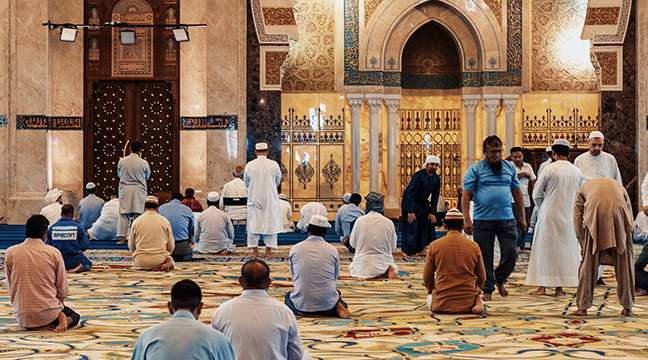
(509, 101)
(355, 101)
(470, 102)
(392, 104)
(374, 104)
(492, 102)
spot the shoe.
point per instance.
(600, 281)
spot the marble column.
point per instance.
(374, 102)
(642, 94)
(392, 102)
(355, 103)
(491, 104)
(470, 103)
(509, 102)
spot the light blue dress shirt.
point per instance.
(345, 216)
(181, 218)
(314, 267)
(491, 192)
(182, 337)
(89, 210)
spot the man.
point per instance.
(105, 228)
(548, 154)
(235, 189)
(182, 223)
(644, 194)
(555, 253)
(419, 207)
(183, 336)
(36, 281)
(641, 275)
(286, 214)
(603, 223)
(346, 198)
(214, 230)
(490, 183)
(347, 214)
(527, 179)
(536, 208)
(374, 239)
(53, 211)
(90, 207)
(190, 201)
(308, 210)
(151, 239)
(133, 172)
(315, 267)
(69, 237)
(454, 270)
(262, 177)
(257, 325)
(597, 163)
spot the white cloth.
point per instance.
(259, 327)
(133, 172)
(286, 216)
(262, 177)
(555, 253)
(544, 165)
(234, 189)
(52, 212)
(602, 166)
(214, 232)
(524, 182)
(105, 228)
(644, 191)
(308, 210)
(374, 239)
(269, 240)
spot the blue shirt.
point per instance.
(68, 236)
(89, 210)
(345, 216)
(314, 267)
(182, 337)
(491, 192)
(181, 218)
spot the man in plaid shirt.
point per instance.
(191, 202)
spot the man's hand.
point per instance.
(522, 224)
(432, 218)
(645, 210)
(411, 217)
(468, 226)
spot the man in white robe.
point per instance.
(308, 210)
(105, 228)
(235, 189)
(214, 230)
(644, 194)
(53, 211)
(555, 254)
(262, 177)
(90, 207)
(286, 214)
(536, 208)
(133, 172)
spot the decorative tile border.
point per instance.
(3, 121)
(65, 123)
(209, 122)
(44, 122)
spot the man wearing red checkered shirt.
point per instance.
(191, 202)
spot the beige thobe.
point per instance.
(151, 240)
(603, 225)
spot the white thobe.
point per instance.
(214, 232)
(259, 327)
(374, 239)
(52, 212)
(133, 172)
(105, 228)
(555, 253)
(644, 191)
(234, 189)
(524, 182)
(307, 211)
(544, 165)
(262, 177)
(602, 166)
(286, 216)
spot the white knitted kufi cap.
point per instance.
(596, 134)
(433, 159)
(319, 220)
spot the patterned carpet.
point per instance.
(389, 318)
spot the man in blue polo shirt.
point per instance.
(182, 224)
(489, 183)
(69, 237)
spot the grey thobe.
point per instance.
(133, 172)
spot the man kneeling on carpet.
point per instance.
(151, 239)
(315, 267)
(36, 281)
(454, 270)
(69, 237)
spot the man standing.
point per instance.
(133, 172)
(183, 336)
(36, 281)
(69, 237)
(214, 229)
(548, 152)
(256, 324)
(555, 253)
(454, 270)
(527, 179)
(419, 207)
(315, 267)
(262, 177)
(151, 239)
(190, 201)
(490, 183)
(105, 228)
(53, 211)
(347, 214)
(90, 207)
(235, 189)
(603, 223)
(182, 223)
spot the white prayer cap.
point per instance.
(596, 134)
(261, 146)
(432, 159)
(319, 220)
(151, 200)
(548, 149)
(53, 195)
(90, 186)
(562, 142)
(283, 197)
(213, 196)
(454, 214)
(346, 197)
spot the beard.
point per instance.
(496, 167)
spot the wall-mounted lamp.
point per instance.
(127, 37)
(68, 34)
(180, 34)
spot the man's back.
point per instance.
(89, 210)
(374, 239)
(52, 212)
(234, 189)
(262, 176)
(151, 234)
(214, 231)
(67, 236)
(345, 216)
(314, 266)
(105, 228)
(133, 170)
(180, 217)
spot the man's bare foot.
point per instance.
(77, 269)
(224, 252)
(121, 242)
(342, 311)
(487, 297)
(520, 250)
(502, 290)
(560, 292)
(579, 313)
(391, 273)
(168, 265)
(627, 312)
(478, 309)
(539, 291)
(255, 252)
(268, 252)
(62, 323)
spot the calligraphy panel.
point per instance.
(137, 59)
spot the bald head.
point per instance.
(255, 274)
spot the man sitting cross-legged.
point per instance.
(214, 230)
(315, 267)
(454, 270)
(183, 336)
(151, 239)
(36, 281)
(69, 237)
